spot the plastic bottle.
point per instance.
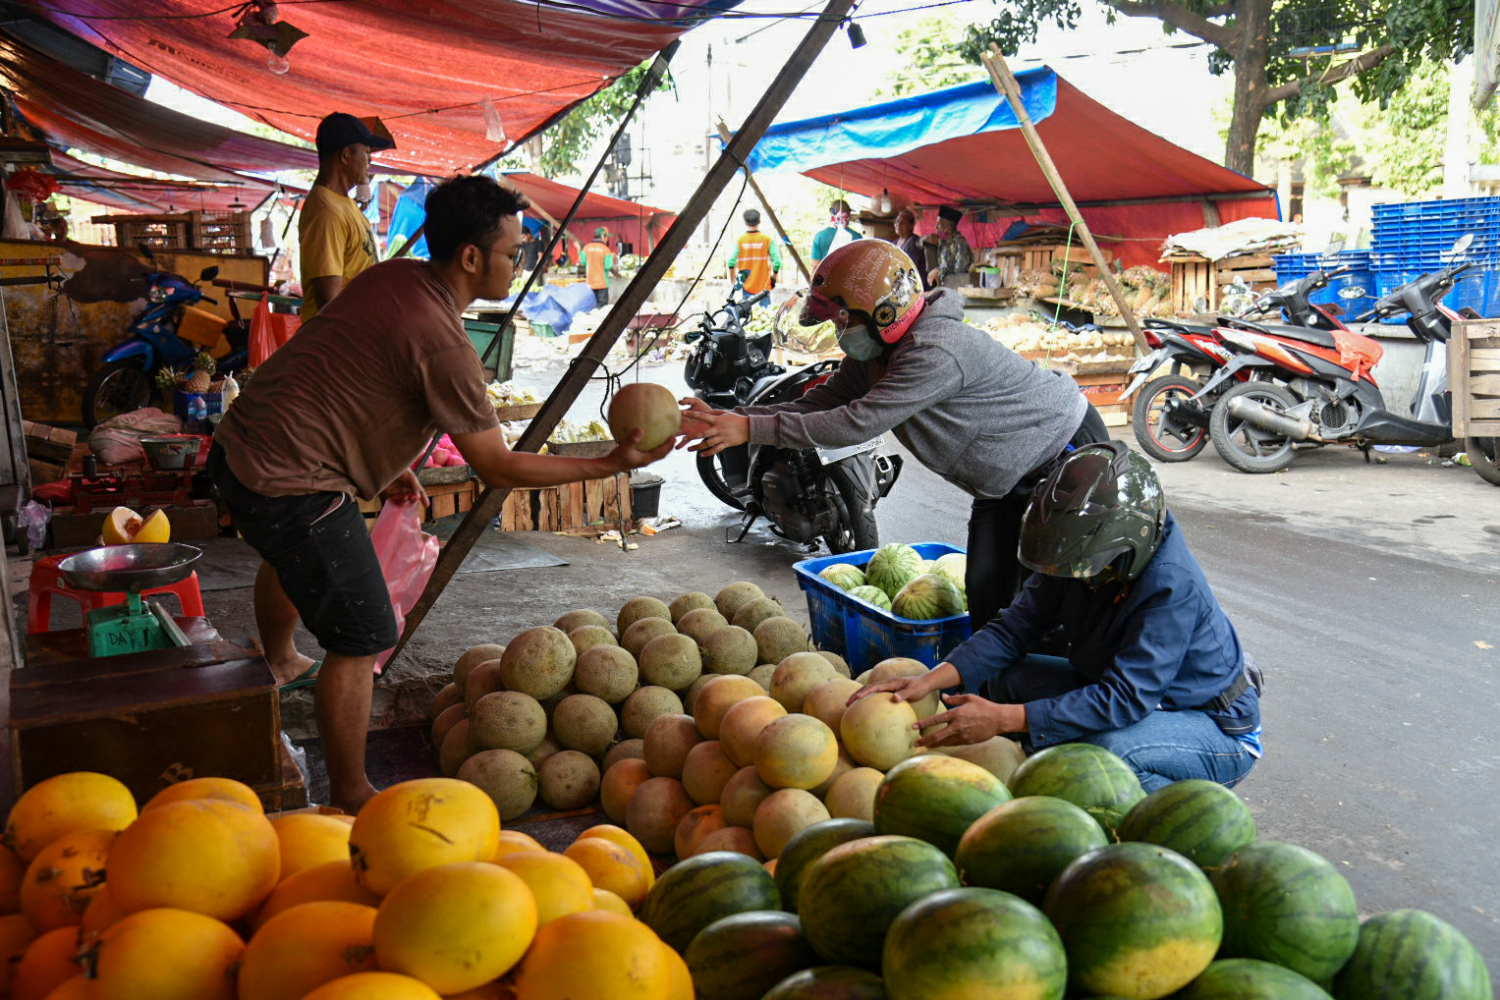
(230, 391)
(197, 414)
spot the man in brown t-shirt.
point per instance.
(343, 410)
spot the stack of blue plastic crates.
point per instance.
(1412, 238)
(1361, 277)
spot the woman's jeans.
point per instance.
(1161, 748)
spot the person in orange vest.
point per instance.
(598, 264)
(756, 260)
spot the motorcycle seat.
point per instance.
(1307, 335)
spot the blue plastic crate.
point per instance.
(862, 633)
(1292, 266)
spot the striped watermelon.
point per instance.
(1201, 820)
(1090, 777)
(1412, 955)
(973, 943)
(742, 956)
(1138, 921)
(845, 576)
(934, 798)
(851, 894)
(872, 595)
(1022, 845)
(926, 597)
(892, 567)
(1248, 979)
(829, 982)
(1284, 904)
(808, 845)
(699, 890)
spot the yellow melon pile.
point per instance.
(202, 897)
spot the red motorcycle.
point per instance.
(1315, 386)
(1171, 414)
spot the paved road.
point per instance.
(1369, 594)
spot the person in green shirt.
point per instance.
(837, 234)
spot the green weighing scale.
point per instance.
(137, 625)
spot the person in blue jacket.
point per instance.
(1155, 672)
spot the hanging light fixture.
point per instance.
(856, 35)
(260, 21)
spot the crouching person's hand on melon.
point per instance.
(970, 719)
(912, 689)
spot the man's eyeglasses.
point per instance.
(515, 258)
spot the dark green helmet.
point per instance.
(1098, 516)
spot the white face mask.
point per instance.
(856, 342)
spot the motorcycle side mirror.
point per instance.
(1334, 246)
(209, 273)
(1462, 244)
(1353, 292)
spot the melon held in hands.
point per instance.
(647, 407)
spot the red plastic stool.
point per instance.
(47, 581)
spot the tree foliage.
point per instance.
(926, 61)
(571, 139)
(1287, 55)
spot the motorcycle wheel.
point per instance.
(711, 471)
(1161, 436)
(857, 527)
(117, 387)
(1484, 455)
(1243, 445)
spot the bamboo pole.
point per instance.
(1005, 83)
(634, 296)
(770, 212)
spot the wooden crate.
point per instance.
(1474, 377)
(1198, 277)
(221, 232)
(150, 719)
(589, 507)
(152, 230)
(446, 499)
(1041, 256)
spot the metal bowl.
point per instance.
(130, 568)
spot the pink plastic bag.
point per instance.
(407, 555)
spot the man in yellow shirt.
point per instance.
(336, 239)
(598, 263)
(756, 258)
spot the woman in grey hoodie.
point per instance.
(969, 408)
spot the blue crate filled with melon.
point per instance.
(864, 634)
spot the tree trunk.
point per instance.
(1250, 88)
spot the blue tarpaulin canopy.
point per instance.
(963, 145)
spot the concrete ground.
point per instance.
(1368, 594)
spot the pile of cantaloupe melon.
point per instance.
(701, 724)
(201, 896)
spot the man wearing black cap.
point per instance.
(336, 240)
(954, 253)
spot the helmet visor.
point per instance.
(819, 308)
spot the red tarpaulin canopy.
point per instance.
(423, 68)
(636, 224)
(74, 109)
(963, 145)
(134, 194)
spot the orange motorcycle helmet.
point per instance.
(870, 282)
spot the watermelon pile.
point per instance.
(1066, 882)
(897, 579)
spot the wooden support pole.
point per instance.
(770, 213)
(634, 296)
(1005, 83)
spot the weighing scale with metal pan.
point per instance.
(137, 625)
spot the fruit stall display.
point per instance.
(815, 851)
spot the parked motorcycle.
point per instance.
(1171, 413)
(806, 494)
(727, 363)
(1320, 390)
(126, 377)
